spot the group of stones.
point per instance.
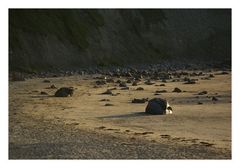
(62, 92)
(134, 76)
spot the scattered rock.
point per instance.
(118, 81)
(177, 90)
(143, 100)
(162, 84)
(108, 91)
(125, 88)
(202, 93)
(161, 91)
(129, 81)
(214, 98)
(104, 100)
(224, 73)
(101, 82)
(101, 127)
(108, 104)
(139, 88)
(110, 80)
(148, 82)
(165, 136)
(211, 76)
(43, 93)
(64, 92)
(158, 106)
(134, 83)
(190, 81)
(200, 103)
(122, 84)
(52, 87)
(206, 78)
(115, 94)
(164, 80)
(46, 81)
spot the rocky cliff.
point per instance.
(71, 38)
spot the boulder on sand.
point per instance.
(158, 106)
(64, 92)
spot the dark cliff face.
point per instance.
(43, 39)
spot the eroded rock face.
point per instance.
(158, 106)
(64, 92)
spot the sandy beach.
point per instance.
(83, 127)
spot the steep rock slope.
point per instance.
(71, 38)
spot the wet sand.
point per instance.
(82, 127)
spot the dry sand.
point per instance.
(82, 127)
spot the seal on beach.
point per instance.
(64, 92)
(158, 106)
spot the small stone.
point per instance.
(177, 90)
(101, 82)
(134, 83)
(164, 80)
(143, 100)
(161, 91)
(108, 104)
(202, 93)
(43, 93)
(108, 91)
(125, 88)
(51, 87)
(211, 76)
(46, 81)
(104, 100)
(200, 103)
(148, 82)
(122, 84)
(214, 98)
(129, 81)
(190, 82)
(110, 80)
(162, 84)
(139, 88)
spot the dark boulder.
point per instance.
(64, 92)
(158, 106)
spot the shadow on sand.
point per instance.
(133, 114)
